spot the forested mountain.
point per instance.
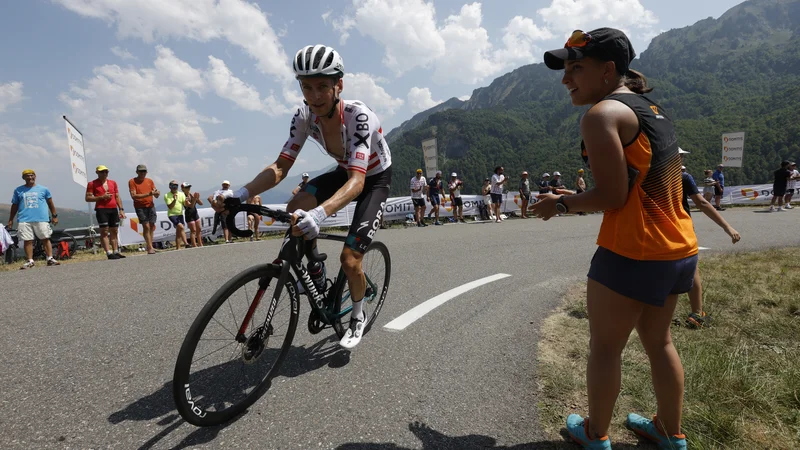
(740, 72)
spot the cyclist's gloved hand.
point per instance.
(309, 221)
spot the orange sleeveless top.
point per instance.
(652, 225)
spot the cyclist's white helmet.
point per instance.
(318, 60)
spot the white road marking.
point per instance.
(427, 306)
(703, 248)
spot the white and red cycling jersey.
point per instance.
(365, 149)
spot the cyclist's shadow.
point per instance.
(436, 440)
(160, 404)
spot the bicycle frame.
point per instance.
(291, 257)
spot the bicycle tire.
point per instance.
(373, 308)
(195, 409)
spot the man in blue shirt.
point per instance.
(719, 189)
(32, 202)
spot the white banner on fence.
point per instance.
(397, 208)
(733, 149)
(429, 154)
(77, 155)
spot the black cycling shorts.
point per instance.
(457, 201)
(107, 217)
(418, 202)
(369, 204)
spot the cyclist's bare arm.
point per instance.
(269, 177)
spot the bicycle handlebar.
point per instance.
(235, 207)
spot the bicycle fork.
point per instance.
(266, 328)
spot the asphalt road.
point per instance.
(89, 349)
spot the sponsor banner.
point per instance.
(733, 149)
(429, 154)
(77, 155)
(396, 208)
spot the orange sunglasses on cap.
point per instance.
(578, 39)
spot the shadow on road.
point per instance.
(434, 440)
(160, 404)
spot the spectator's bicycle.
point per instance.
(63, 243)
(235, 346)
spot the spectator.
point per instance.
(709, 185)
(302, 185)
(219, 219)
(254, 220)
(32, 202)
(524, 193)
(698, 317)
(792, 185)
(434, 188)
(455, 187)
(719, 188)
(580, 183)
(647, 249)
(544, 184)
(419, 187)
(108, 209)
(782, 176)
(498, 182)
(142, 191)
(556, 183)
(176, 201)
(486, 190)
(192, 216)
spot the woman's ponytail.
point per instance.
(636, 82)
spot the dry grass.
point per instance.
(742, 374)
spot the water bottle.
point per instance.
(317, 272)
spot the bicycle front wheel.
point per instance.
(377, 266)
(235, 347)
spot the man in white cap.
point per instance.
(454, 187)
(219, 219)
(544, 184)
(556, 182)
(302, 185)
(524, 193)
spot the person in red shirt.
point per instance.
(108, 209)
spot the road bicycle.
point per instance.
(237, 343)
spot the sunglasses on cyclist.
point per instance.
(578, 39)
(173, 186)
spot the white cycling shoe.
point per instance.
(354, 333)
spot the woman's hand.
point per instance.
(545, 207)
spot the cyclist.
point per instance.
(352, 135)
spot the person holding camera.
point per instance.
(143, 190)
(455, 187)
(108, 208)
(176, 201)
(191, 215)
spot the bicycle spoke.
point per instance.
(215, 351)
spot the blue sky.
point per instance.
(201, 90)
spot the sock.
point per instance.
(358, 308)
(108, 252)
(30, 261)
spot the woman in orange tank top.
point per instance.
(647, 250)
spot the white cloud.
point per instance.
(122, 53)
(10, 94)
(239, 22)
(420, 99)
(364, 87)
(564, 16)
(227, 86)
(178, 71)
(406, 28)
(460, 50)
(464, 98)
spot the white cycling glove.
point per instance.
(309, 221)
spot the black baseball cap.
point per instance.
(605, 44)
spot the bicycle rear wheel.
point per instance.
(235, 347)
(377, 266)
